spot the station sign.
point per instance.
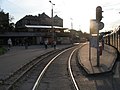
(93, 41)
(93, 26)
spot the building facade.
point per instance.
(41, 28)
(37, 29)
(41, 19)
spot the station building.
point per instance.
(37, 29)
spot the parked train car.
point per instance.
(113, 38)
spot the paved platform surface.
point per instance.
(18, 56)
(107, 59)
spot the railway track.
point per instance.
(51, 71)
(10, 82)
(33, 75)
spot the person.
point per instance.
(46, 42)
(9, 43)
(54, 44)
(103, 43)
(26, 43)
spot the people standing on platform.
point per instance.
(9, 43)
(46, 43)
(54, 44)
(102, 43)
(26, 43)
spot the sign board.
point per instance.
(93, 26)
(93, 41)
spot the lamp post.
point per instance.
(52, 20)
(71, 23)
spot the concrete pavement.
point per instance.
(107, 59)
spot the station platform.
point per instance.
(18, 56)
(106, 62)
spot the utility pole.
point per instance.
(53, 32)
(71, 23)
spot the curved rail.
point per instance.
(15, 77)
(43, 71)
(70, 70)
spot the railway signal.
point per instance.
(100, 26)
(99, 13)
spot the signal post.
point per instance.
(99, 26)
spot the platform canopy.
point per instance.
(45, 27)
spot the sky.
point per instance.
(77, 12)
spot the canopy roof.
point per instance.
(45, 27)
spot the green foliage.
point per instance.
(2, 50)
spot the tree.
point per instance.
(11, 27)
(6, 23)
(11, 18)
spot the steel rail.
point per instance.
(29, 67)
(70, 70)
(46, 67)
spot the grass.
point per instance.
(2, 50)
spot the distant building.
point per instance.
(41, 19)
(37, 29)
(40, 27)
(58, 21)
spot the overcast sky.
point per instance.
(79, 12)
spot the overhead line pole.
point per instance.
(52, 20)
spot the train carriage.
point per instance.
(113, 38)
